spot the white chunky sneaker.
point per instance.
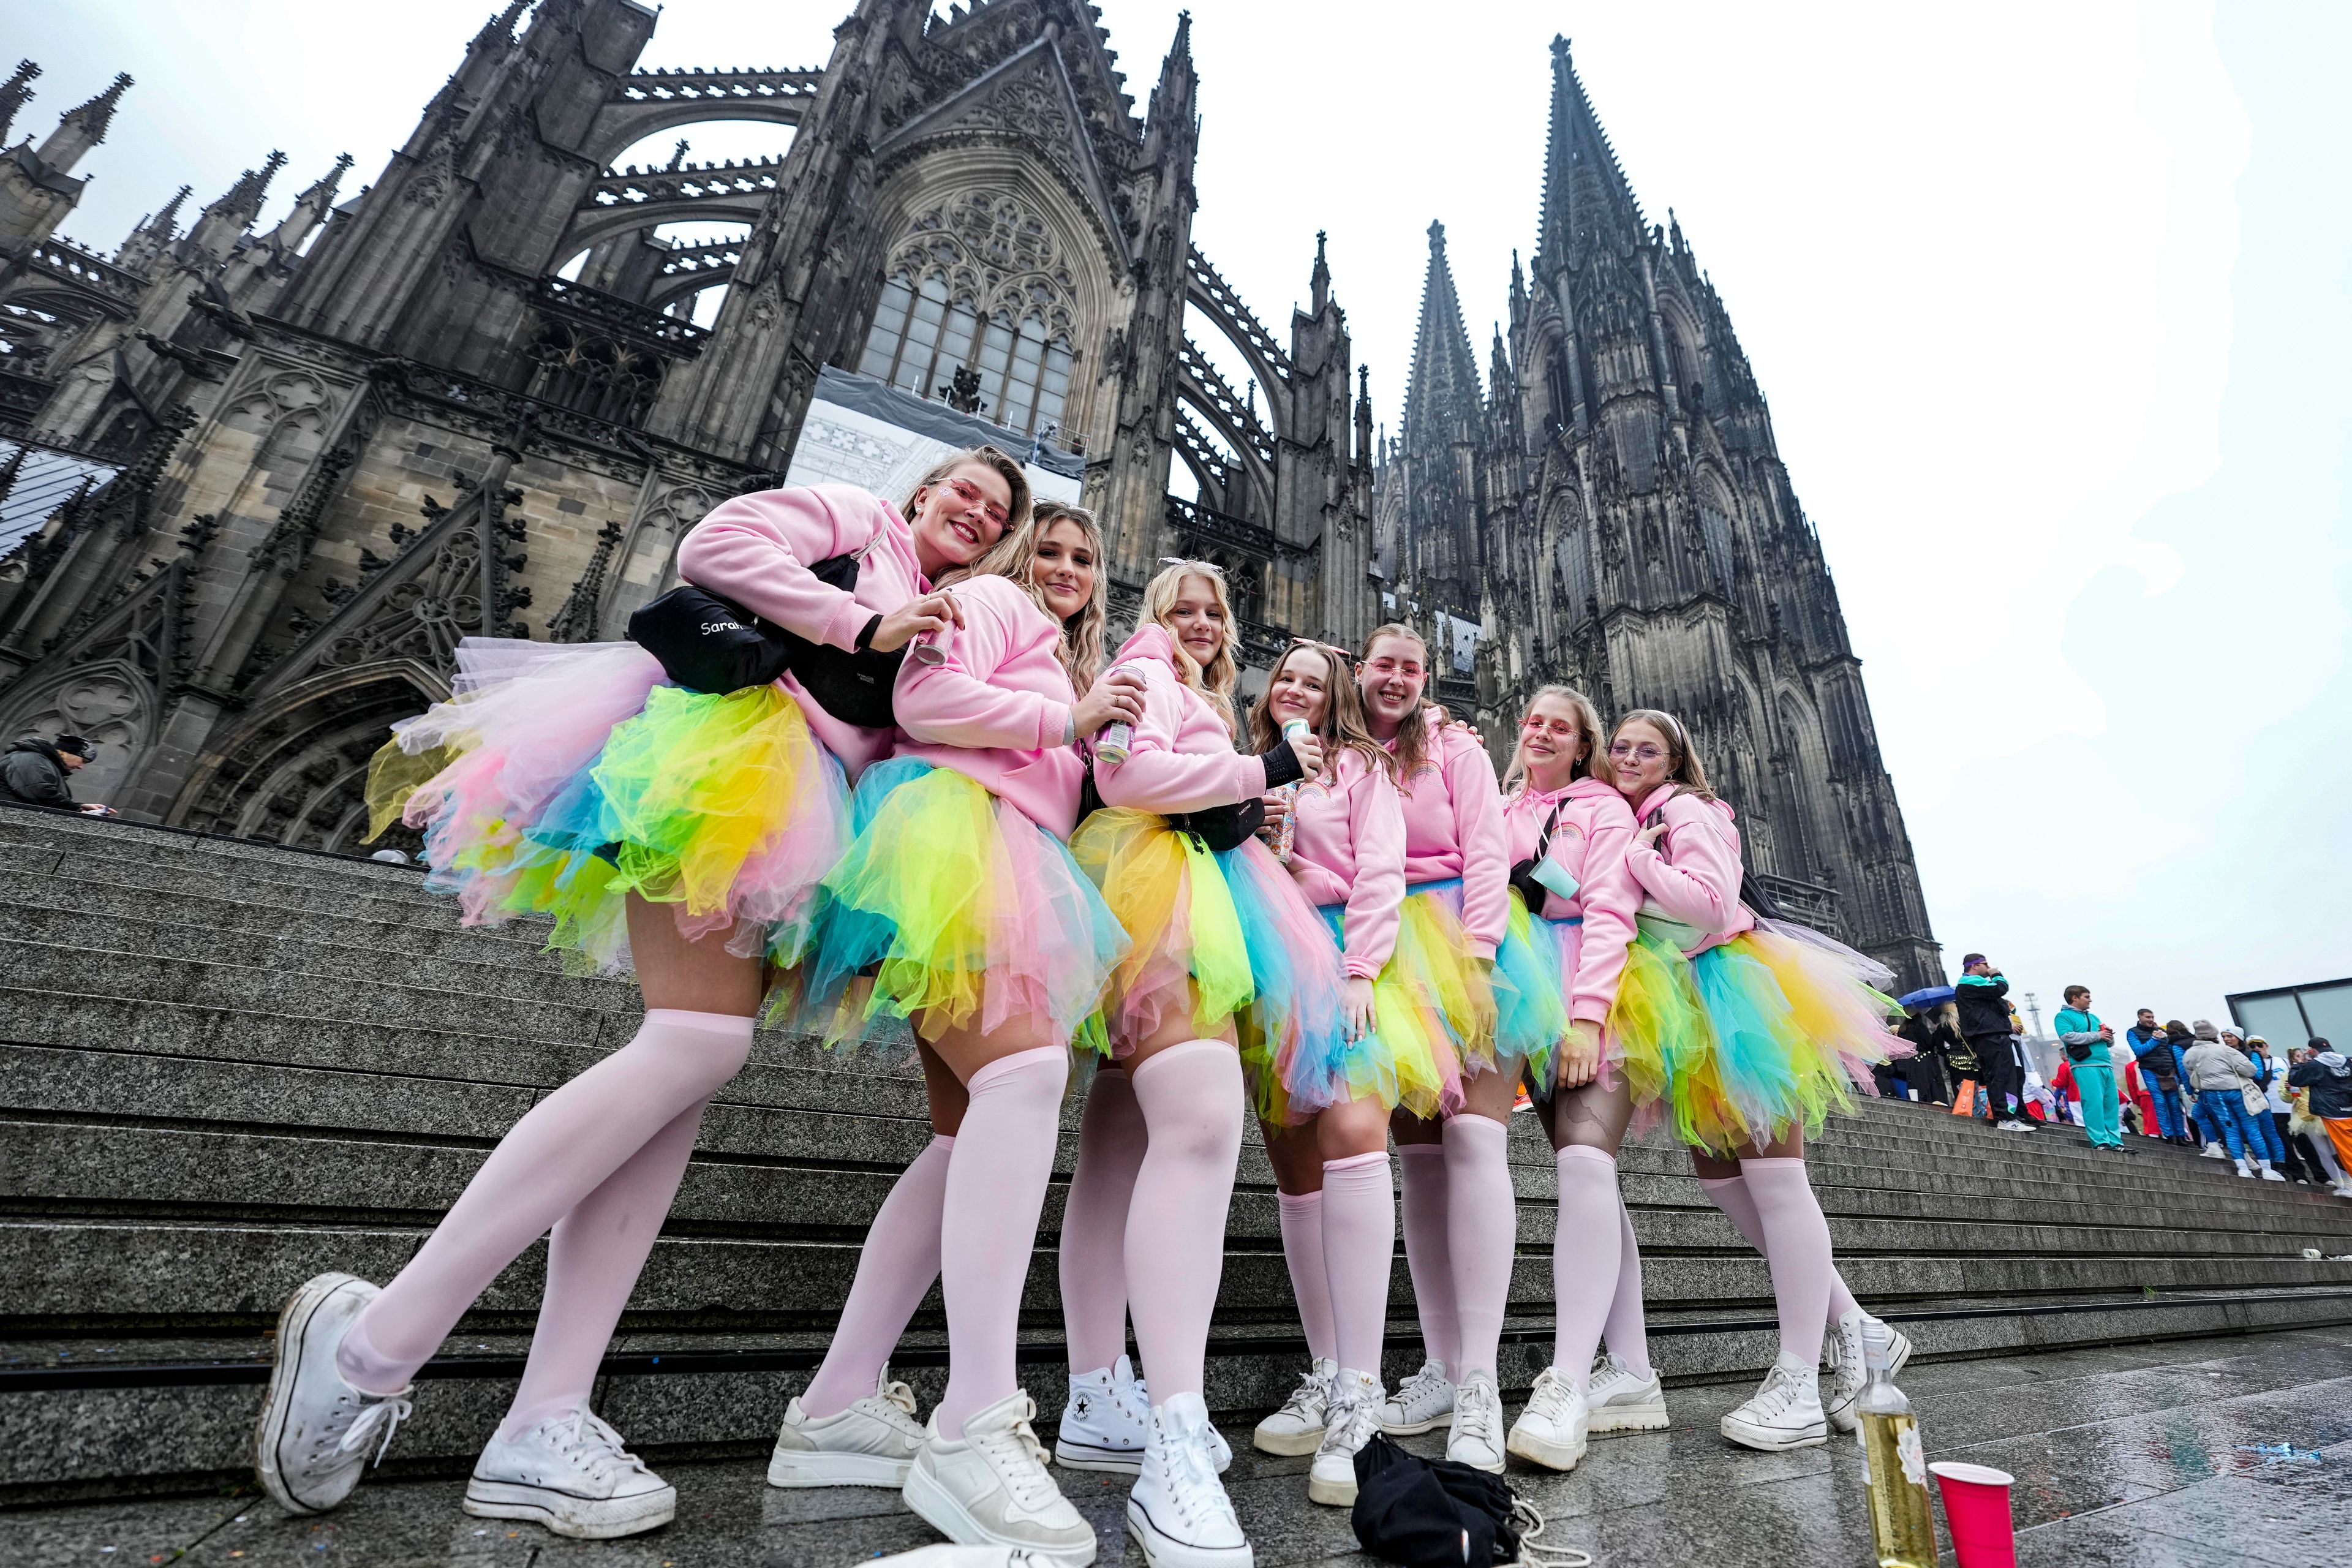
(2245, 1167)
(1178, 1512)
(990, 1488)
(1298, 1426)
(2213, 1152)
(1421, 1403)
(1348, 1424)
(952, 1556)
(869, 1445)
(1106, 1425)
(1619, 1402)
(1138, 1399)
(1552, 1430)
(1843, 1348)
(2270, 1173)
(1476, 1439)
(572, 1474)
(316, 1432)
(1786, 1412)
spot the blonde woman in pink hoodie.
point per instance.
(1746, 1034)
(670, 832)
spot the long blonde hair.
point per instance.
(1004, 462)
(1413, 736)
(1224, 673)
(1014, 556)
(1588, 724)
(1686, 774)
(1343, 727)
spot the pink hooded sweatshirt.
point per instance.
(757, 550)
(997, 708)
(1454, 827)
(1349, 849)
(1697, 880)
(1182, 756)
(1589, 841)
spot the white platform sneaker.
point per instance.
(1786, 1412)
(1353, 1417)
(2213, 1152)
(573, 1474)
(1108, 1420)
(1552, 1430)
(871, 1443)
(1619, 1402)
(1298, 1426)
(1842, 1347)
(318, 1434)
(1421, 1403)
(2270, 1173)
(991, 1487)
(1179, 1514)
(1476, 1438)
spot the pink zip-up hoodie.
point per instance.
(757, 550)
(1454, 827)
(1697, 880)
(1349, 849)
(1182, 756)
(1589, 841)
(996, 708)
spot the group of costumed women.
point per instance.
(1067, 873)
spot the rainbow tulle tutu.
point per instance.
(951, 909)
(1423, 1004)
(1558, 947)
(559, 779)
(1225, 933)
(1754, 1037)
(1515, 1008)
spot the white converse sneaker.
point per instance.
(1552, 1430)
(869, 1445)
(316, 1432)
(1298, 1426)
(1843, 1348)
(1786, 1412)
(1178, 1513)
(1476, 1438)
(1421, 1403)
(1619, 1402)
(1131, 1388)
(990, 1488)
(1105, 1426)
(1348, 1424)
(572, 1474)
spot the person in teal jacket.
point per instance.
(2086, 1040)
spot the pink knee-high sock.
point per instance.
(894, 1270)
(1428, 1251)
(1586, 1255)
(1627, 1330)
(1310, 1283)
(1111, 1143)
(570, 1145)
(1730, 1195)
(1359, 1252)
(1481, 1229)
(1192, 1099)
(988, 1222)
(1797, 1247)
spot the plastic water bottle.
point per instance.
(1287, 835)
(1902, 1521)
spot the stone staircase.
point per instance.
(226, 1066)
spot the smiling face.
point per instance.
(1641, 757)
(1393, 674)
(1197, 619)
(1064, 569)
(959, 517)
(1552, 740)
(1300, 689)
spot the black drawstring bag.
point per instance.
(706, 643)
(1428, 1513)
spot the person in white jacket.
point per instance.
(2219, 1076)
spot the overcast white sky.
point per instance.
(2051, 302)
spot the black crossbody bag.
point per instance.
(709, 643)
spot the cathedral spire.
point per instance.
(311, 208)
(153, 234)
(1172, 99)
(1585, 194)
(224, 220)
(83, 127)
(1320, 279)
(13, 94)
(1442, 398)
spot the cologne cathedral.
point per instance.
(256, 482)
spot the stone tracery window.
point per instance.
(979, 284)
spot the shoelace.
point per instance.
(1303, 1399)
(1351, 1421)
(1552, 1397)
(1019, 1460)
(1193, 1475)
(595, 1447)
(1477, 1413)
(1779, 1390)
(376, 1423)
(1419, 1385)
(897, 1396)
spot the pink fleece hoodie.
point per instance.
(1589, 841)
(1697, 880)
(757, 550)
(1349, 849)
(1182, 756)
(1454, 827)
(997, 708)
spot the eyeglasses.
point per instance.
(1558, 729)
(970, 494)
(1626, 751)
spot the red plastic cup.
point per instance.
(1976, 1509)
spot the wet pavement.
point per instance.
(2194, 1454)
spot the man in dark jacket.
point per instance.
(32, 770)
(2154, 1054)
(1981, 998)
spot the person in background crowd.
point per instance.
(1981, 997)
(1928, 1030)
(2086, 1041)
(2326, 1078)
(2178, 1039)
(2216, 1072)
(2156, 1069)
(35, 769)
(2306, 1134)
(2260, 1129)
(1961, 1061)
(2294, 1156)
(2139, 1107)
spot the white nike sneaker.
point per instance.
(1843, 1348)
(1298, 1426)
(1619, 1402)
(1421, 1403)
(1477, 1438)
(1348, 1424)
(990, 1488)
(316, 1431)
(1786, 1412)
(1103, 1426)
(869, 1445)
(572, 1474)
(1136, 1396)
(1552, 1430)
(1178, 1512)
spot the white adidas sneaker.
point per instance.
(1843, 1349)
(573, 1474)
(1619, 1402)
(1178, 1512)
(1552, 1430)
(991, 1487)
(1477, 1438)
(870, 1444)
(317, 1432)
(1421, 1403)
(1786, 1412)
(1298, 1426)
(1353, 1417)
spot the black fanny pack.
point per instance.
(2080, 1053)
(707, 643)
